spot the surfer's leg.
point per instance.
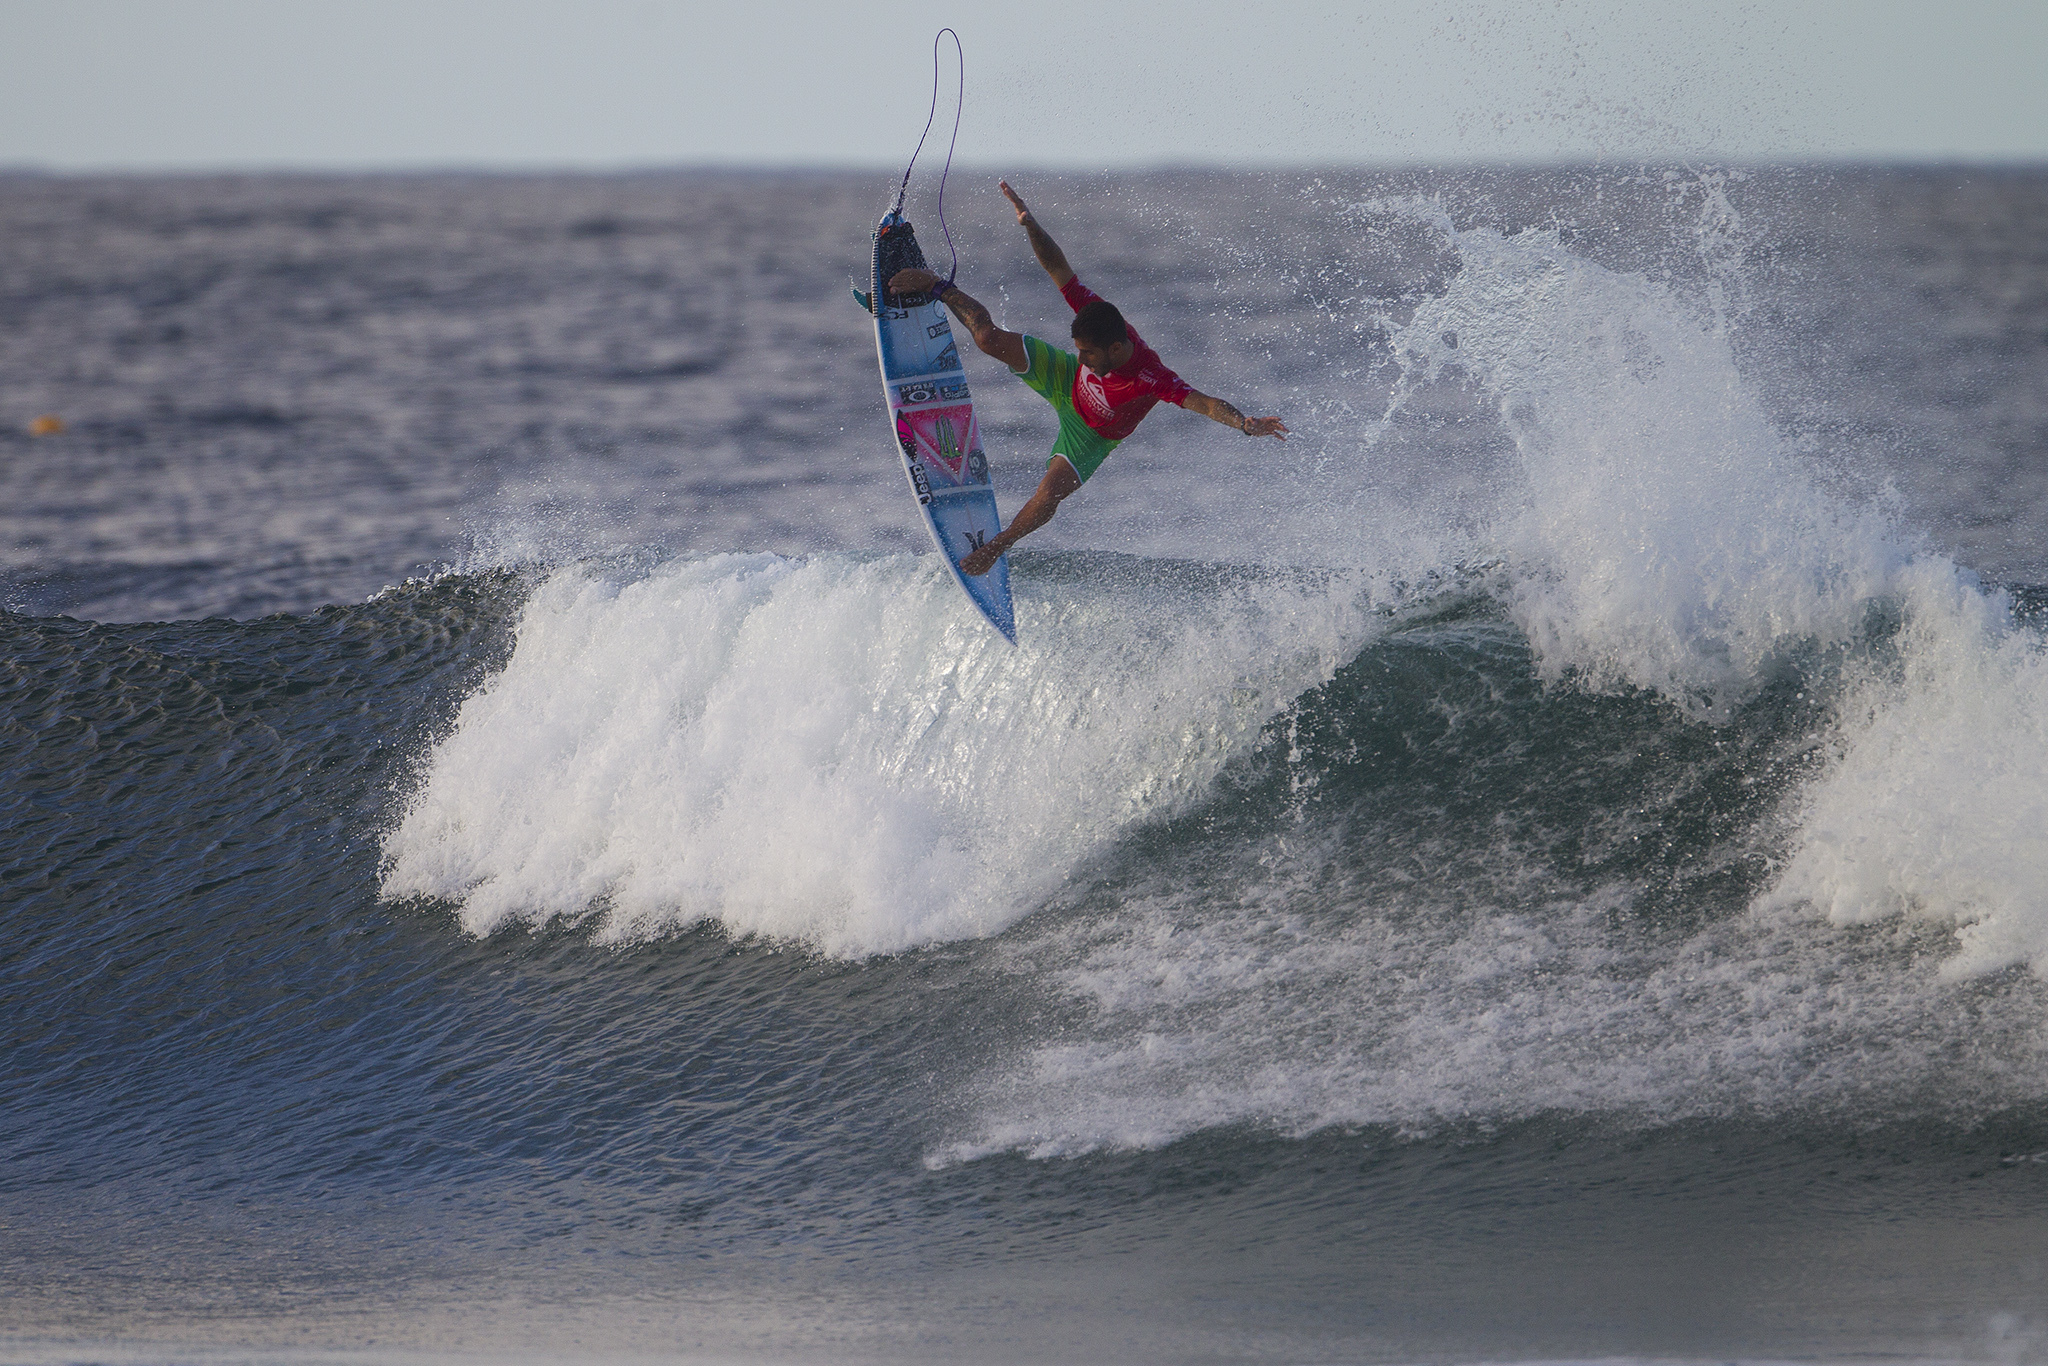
(1076, 455)
(1047, 371)
(1060, 481)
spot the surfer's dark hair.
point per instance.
(1099, 324)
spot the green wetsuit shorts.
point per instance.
(1051, 373)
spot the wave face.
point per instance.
(1450, 897)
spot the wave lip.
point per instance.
(833, 752)
(1667, 538)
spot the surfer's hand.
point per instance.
(1042, 246)
(912, 280)
(1266, 426)
(1023, 213)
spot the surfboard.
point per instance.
(931, 419)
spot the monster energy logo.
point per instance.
(949, 440)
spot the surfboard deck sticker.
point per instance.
(931, 417)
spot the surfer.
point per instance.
(1100, 390)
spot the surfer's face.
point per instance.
(1102, 359)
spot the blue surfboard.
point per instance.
(931, 419)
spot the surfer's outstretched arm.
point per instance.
(1042, 246)
(1218, 410)
(1007, 347)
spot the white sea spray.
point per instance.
(835, 751)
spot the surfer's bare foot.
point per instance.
(981, 561)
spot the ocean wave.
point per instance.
(1672, 540)
(834, 752)
(1837, 739)
(1706, 793)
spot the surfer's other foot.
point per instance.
(980, 562)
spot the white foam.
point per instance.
(1498, 996)
(836, 751)
(1936, 803)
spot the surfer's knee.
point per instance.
(1061, 480)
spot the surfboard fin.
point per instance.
(866, 302)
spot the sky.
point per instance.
(599, 84)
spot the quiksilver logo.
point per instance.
(1092, 395)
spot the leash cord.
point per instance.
(959, 99)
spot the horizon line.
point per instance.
(514, 170)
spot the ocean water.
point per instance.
(513, 849)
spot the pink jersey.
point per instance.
(1113, 404)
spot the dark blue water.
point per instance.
(1548, 864)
